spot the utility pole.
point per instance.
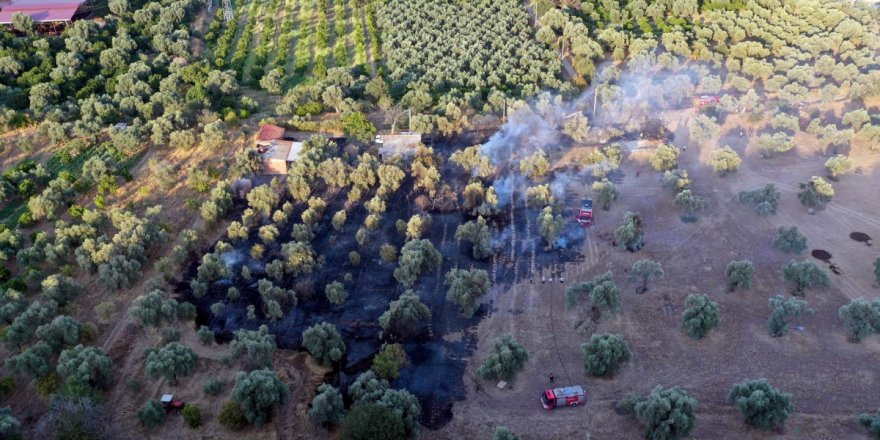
(409, 118)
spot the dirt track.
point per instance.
(831, 379)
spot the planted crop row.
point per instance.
(243, 44)
(340, 52)
(360, 46)
(302, 55)
(224, 43)
(261, 56)
(322, 40)
(286, 37)
(375, 38)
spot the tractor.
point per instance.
(170, 404)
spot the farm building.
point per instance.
(49, 12)
(269, 133)
(278, 154)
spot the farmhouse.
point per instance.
(278, 154)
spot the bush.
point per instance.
(630, 234)
(761, 404)
(7, 385)
(502, 433)
(232, 416)
(763, 200)
(192, 415)
(405, 315)
(668, 414)
(872, 423)
(327, 406)
(388, 362)
(790, 240)
(10, 427)
(335, 293)
(739, 274)
(700, 317)
(860, 318)
(206, 336)
(213, 387)
(506, 358)
(466, 286)
(48, 385)
(324, 342)
(370, 421)
(152, 414)
(258, 392)
(604, 353)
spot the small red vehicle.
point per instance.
(567, 396)
(700, 102)
(170, 404)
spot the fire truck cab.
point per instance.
(567, 396)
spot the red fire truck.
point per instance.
(585, 213)
(567, 396)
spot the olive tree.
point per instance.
(466, 286)
(505, 358)
(259, 346)
(815, 193)
(604, 294)
(405, 315)
(368, 421)
(477, 233)
(700, 316)
(324, 342)
(89, 366)
(761, 404)
(327, 407)
(335, 293)
(667, 414)
(605, 192)
(550, 225)
(604, 353)
(389, 360)
(535, 166)
(645, 271)
(675, 180)
(690, 204)
(152, 414)
(804, 275)
(860, 318)
(790, 240)
(837, 166)
(154, 309)
(60, 288)
(171, 361)
(739, 274)
(416, 258)
(702, 129)
(258, 392)
(783, 311)
(725, 160)
(630, 234)
(763, 200)
(63, 331)
(665, 157)
(35, 361)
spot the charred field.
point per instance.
(438, 355)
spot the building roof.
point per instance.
(278, 150)
(42, 11)
(295, 150)
(270, 132)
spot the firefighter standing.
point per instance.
(551, 378)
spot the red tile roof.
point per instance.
(41, 10)
(270, 132)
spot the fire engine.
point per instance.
(567, 396)
(699, 102)
(585, 213)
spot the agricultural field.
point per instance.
(669, 203)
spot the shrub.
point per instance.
(7, 385)
(324, 342)
(872, 423)
(370, 421)
(604, 353)
(739, 274)
(258, 392)
(206, 336)
(192, 415)
(213, 387)
(790, 240)
(700, 317)
(327, 406)
(388, 362)
(405, 315)
(335, 293)
(466, 286)
(506, 358)
(502, 433)
(725, 160)
(630, 234)
(232, 416)
(761, 404)
(763, 200)
(10, 427)
(668, 414)
(48, 384)
(151, 414)
(665, 157)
